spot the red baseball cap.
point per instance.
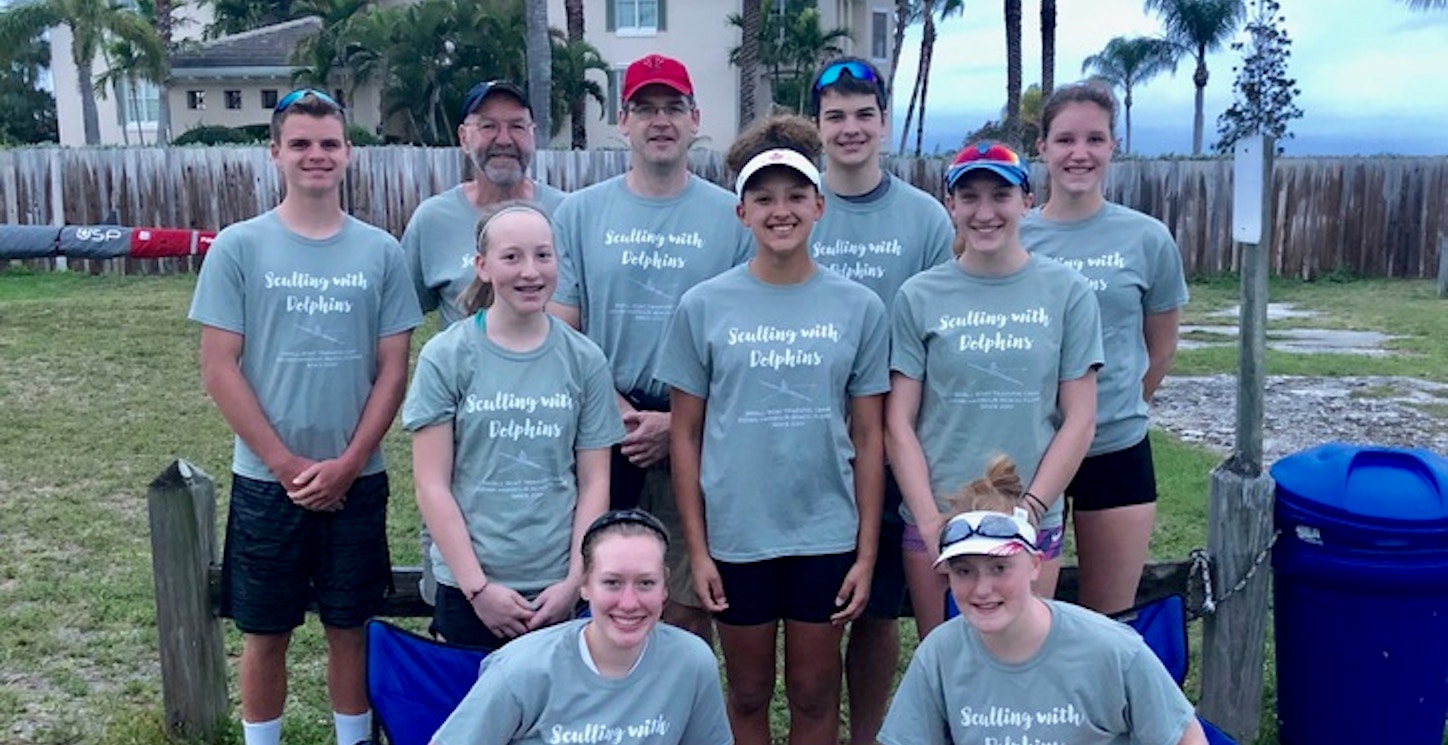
(656, 69)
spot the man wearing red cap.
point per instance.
(628, 248)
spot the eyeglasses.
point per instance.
(675, 110)
(991, 525)
(629, 516)
(517, 128)
(857, 70)
(301, 93)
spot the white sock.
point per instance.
(262, 733)
(352, 728)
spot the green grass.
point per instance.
(98, 375)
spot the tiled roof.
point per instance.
(268, 46)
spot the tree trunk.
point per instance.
(577, 109)
(1126, 101)
(539, 51)
(751, 104)
(164, 25)
(85, 84)
(922, 71)
(927, 53)
(136, 107)
(1048, 47)
(1012, 124)
(1200, 79)
(902, 19)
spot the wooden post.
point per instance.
(1239, 528)
(1443, 265)
(182, 507)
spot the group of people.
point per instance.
(750, 412)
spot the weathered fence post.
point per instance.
(1240, 515)
(182, 507)
(1443, 265)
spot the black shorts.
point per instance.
(626, 482)
(1119, 479)
(280, 557)
(887, 585)
(792, 588)
(454, 619)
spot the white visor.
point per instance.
(777, 157)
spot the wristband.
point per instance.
(1042, 506)
(471, 596)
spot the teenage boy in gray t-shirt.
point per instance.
(878, 231)
(306, 318)
(628, 248)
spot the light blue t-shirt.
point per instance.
(990, 353)
(518, 419)
(1093, 682)
(538, 690)
(441, 240)
(778, 365)
(882, 243)
(1135, 267)
(312, 312)
(625, 260)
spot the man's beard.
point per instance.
(501, 174)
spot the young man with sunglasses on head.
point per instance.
(628, 248)
(498, 138)
(306, 318)
(879, 231)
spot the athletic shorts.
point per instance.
(279, 557)
(454, 620)
(658, 498)
(1118, 479)
(887, 584)
(791, 588)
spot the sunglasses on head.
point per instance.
(857, 70)
(629, 516)
(301, 93)
(993, 525)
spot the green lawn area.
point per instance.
(100, 389)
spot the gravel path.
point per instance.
(1306, 411)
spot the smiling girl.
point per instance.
(619, 676)
(512, 414)
(1013, 667)
(778, 370)
(993, 353)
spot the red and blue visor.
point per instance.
(993, 157)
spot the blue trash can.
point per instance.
(1361, 595)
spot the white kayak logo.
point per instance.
(97, 235)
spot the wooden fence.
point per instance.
(1376, 217)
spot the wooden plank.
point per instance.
(181, 506)
(1443, 266)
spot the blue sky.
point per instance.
(1368, 73)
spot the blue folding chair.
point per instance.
(414, 682)
(1162, 624)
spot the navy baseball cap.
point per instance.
(487, 88)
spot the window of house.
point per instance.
(268, 98)
(615, 95)
(140, 103)
(196, 100)
(880, 35)
(635, 17)
(233, 99)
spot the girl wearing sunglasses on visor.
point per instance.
(995, 352)
(1013, 667)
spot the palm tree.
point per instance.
(319, 57)
(539, 51)
(571, 87)
(92, 24)
(1426, 4)
(791, 45)
(126, 68)
(236, 16)
(577, 105)
(904, 12)
(754, 91)
(921, 91)
(1048, 46)
(1013, 72)
(1127, 62)
(1198, 27)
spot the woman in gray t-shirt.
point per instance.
(618, 677)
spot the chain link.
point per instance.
(1202, 568)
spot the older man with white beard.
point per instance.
(497, 137)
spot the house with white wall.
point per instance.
(236, 80)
